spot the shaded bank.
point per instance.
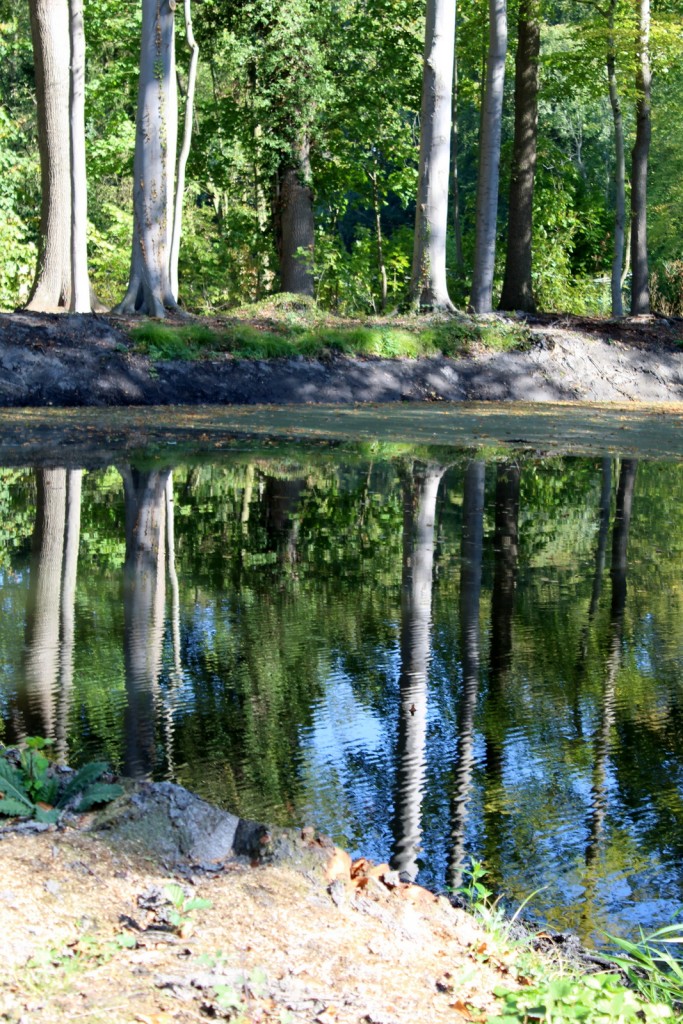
(90, 361)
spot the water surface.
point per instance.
(430, 654)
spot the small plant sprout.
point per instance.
(183, 908)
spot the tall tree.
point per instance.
(149, 286)
(640, 289)
(489, 161)
(619, 162)
(517, 285)
(61, 280)
(294, 219)
(429, 289)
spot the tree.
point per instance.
(429, 289)
(620, 165)
(489, 161)
(517, 286)
(61, 279)
(149, 286)
(640, 290)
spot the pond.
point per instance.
(431, 653)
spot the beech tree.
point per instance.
(149, 285)
(640, 288)
(429, 289)
(517, 286)
(619, 166)
(489, 161)
(61, 279)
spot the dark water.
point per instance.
(431, 657)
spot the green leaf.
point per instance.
(47, 817)
(83, 778)
(12, 784)
(100, 793)
(14, 808)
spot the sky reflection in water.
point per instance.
(431, 659)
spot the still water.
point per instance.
(430, 655)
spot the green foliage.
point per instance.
(284, 337)
(596, 999)
(652, 969)
(32, 784)
(183, 905)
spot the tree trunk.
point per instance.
(619, 172)
(295, 224)
(149, 287)
(72, 537)
(489, 162)
(429, 289)
(457, 222)
(470, 592)
(143, 596)
(381, 266)
(517, 286)
(420, 489)
(51, 48)
(640, 289)
(184, 151)
(80, 283)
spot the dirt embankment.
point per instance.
(64, 360)
(99, 925)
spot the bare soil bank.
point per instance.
(66, 360)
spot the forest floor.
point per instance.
(66, 360)
(89, 934)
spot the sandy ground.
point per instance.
(66, 360)
(277, 943)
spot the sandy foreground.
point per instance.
(86, 937)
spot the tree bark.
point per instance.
(619, 172)
(429, 289)
(184, 151)
(51, 48)
(149, 287)
(420, 489)
(517, 286)
(457, 222)
(489, 162)
(295, 223)
(640, 289)
(80, 282)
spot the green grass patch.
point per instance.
(281, 336)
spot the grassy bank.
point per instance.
(293, 327)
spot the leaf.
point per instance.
(198, 903)
(47, 817)
(12, 784)
(175, 894)
(101, 793)
(83, 778)
(13, 808)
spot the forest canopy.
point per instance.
(307, 163)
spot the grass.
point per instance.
(555, 992)
(286, 328)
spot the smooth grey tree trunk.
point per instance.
(517, 284)
(80, 282)
(72, 537)
(640, 287)
(429, 289)
(619, 170)
(143, 592)
(420, 489)
(149, 287)
(184, 149)
(470, 591)
(489, 162)
(295, 223)
(457, 220)
(51, 49)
